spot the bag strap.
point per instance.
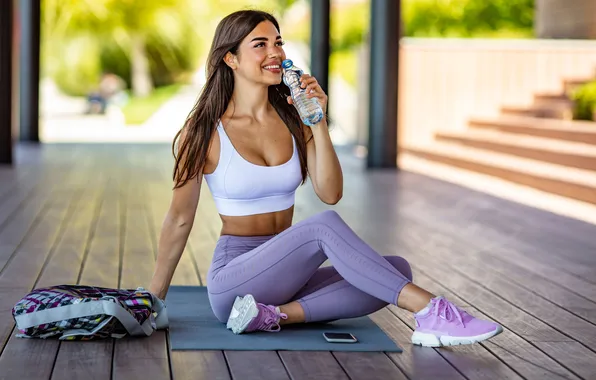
(159, 307)
(132, 326)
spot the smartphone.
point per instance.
(333, 337)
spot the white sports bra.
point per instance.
(240, 187)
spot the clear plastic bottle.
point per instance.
(309, 109)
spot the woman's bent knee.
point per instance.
(220, 308)
(401, 265)
(327, 215)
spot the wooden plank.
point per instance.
(473, 222)
(15, 198)
(28, 359)
(536, 284)
(519, 262)
(506, 212)
(79, 360)
(135, 357)
(101, 265)
(82, 360)
(14, 232)
(520, 355)
(199, 365)
(414, 361)
(368, 365)
(34, 359)
(511, 260)
(89, 360)
(255, 365)
(317, 365)
(513, 318)
(577, 300)
(542, 309)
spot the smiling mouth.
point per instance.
(272, 68)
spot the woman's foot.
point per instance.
(442, 323)
(247, 315)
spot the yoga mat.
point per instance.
(192, 326)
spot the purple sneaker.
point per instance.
(247, 315)
(441, 323)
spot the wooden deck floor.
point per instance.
(90, 214)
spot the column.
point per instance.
(29, 70)
(384, 68)
(6, 57)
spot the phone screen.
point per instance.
(345, 336)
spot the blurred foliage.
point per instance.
(168, 28)
(177, 34)
(345, 64)
(468, 18)
(585, 101)
(77, 74)
(96, 35)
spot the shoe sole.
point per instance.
(430, 340)
(243, 312)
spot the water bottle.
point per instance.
(309, 109)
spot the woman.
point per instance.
(246, 139)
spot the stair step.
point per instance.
(572, 84)
(556, 179)
(569, 130)
(564, 112)
(573, 154)
(545, 100)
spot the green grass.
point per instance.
(138, 110)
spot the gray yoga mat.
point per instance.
(194, 327)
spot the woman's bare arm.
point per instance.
(175, 229)
(323, 165)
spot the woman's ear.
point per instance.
(230, 60)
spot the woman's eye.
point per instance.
(278, 43)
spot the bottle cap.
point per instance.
(287, 63)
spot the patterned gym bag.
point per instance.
(78, 312)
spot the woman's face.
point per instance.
(260, 54)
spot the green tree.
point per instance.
(128, 23)
(468, 18)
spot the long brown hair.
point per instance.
(217, 93)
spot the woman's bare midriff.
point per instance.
(257, 225)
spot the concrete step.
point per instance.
(571, 84)
(568, 130)
(566, 153)
(564, 112)
(578, 184)
(544, 100)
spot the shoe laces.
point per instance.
(446, 310)
(268, 318)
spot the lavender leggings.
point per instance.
(281, 268)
